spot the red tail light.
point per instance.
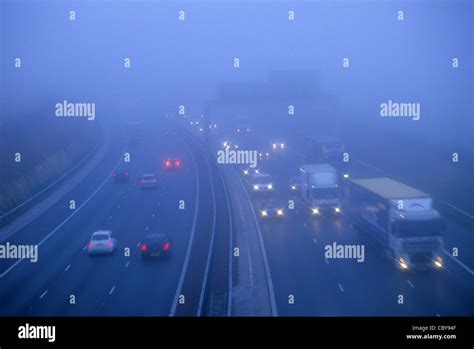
(109, 244)
(141, 180)
(113, 174)
(167, 163)
(177, 163)
(143, 248)
(166, 247)
(126, 173)
(91, 245)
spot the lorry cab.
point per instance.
(320, 188)
(401, 218)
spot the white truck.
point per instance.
(320, 189)
(401, 218)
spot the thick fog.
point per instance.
(184, 62)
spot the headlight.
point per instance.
(315, 210)
(280, 212)
(293, 187)
(438, 262)
(337, 209)
(270, 186)
(264, 213)
(225, 144)
(255, 187)
(282, 146)
(274, 146)
(403, 264)
(346, 175)
(246, 172)
(257, 171)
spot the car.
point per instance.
(261, 183)
(249, 171)
(278, 146)
(102, 242)
(271, 209)
(121, 175)
(263, 155)
(148, 181)
(172, 163)
(294, 184)
(156, 246)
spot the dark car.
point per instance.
(272, 209)
(121, 175)
(170, 164)
(156, 246)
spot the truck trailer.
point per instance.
(400, 218)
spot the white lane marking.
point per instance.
(271, 292)
(158, 204)
(110, 217)
(66, 220)
(191, 239)
(44, 294)
(340, 287)
(112, 290)
(153, 215)
(306, 225)
(229, 289)
(459, 262)
(138, 245)
(126, 265)
(213, 233)
(298, 212)
(85, 248)
(118, 206)
(67, 268)
(147, 227)
(410, 283)
(325, 259)
(315, 241)
(125, 196)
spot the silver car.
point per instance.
(148, 181)
(102, 242)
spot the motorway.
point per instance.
(322, 287)
(66, 281)
(281, 270)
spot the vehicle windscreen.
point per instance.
(148, 178)
(262, 180)
(419, 228)
(325, 193)
(100, 237)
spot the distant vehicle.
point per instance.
(278, 146)
(294, 184)
(172, 163)
(226, 144)
(155, 246)
(263, 155)
(261, 183)
(401, 218)
(329, 150)
(148, 181)
(121, 175)
(320, 189)
(102, 242)
(249, 171)
(270, 209)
